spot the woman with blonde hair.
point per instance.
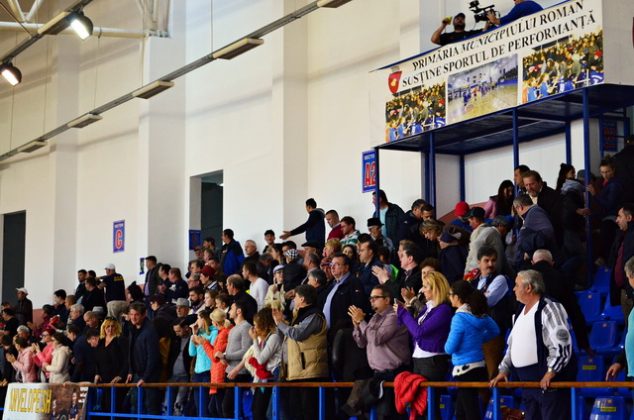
(218, 366)
(111, 357)
(430, 329)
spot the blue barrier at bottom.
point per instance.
(608, 408)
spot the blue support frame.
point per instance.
(432, 168)
(588, 167)
(568, 143)
(463, 192)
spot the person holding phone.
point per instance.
(430, 329)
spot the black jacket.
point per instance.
(314, 227)
(627, 239)
(175, 349)
(112, 361)
(452, 262)
(393, 218)
(550, 200)
(93, 298)
(349, 293)
(143, 350)
(559, 287)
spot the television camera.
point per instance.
(480, 13)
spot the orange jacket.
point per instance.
(217, 366)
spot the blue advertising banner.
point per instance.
(195, 239)
(368, 171)
(118, 236)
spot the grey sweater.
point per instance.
(238, 342)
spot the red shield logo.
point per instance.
(394, 81)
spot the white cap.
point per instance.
(23, 290)
(109, 267)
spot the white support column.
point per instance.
(63, 164)
(161, 168)
(290, 108)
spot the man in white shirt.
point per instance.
(539, 349)
(259, 286)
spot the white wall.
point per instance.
(287, 121)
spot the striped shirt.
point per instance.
(555, 334)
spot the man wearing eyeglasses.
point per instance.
(386, 343)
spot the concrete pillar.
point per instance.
(161, 169)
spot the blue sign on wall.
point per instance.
(368, 171)
(194, 239)
(118, 236)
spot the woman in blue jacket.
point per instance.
(470, 328)
(204, 330)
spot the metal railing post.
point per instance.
(496, 403)
(113, 401)
(373, 414)
(168, 398)
(139, 402)
(573, 403)
(431, 409)
(276, 403)
(236, 402)
(200, 401)
(322, 402)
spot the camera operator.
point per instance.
(522, 8)
(458, 33)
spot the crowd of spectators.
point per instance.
(413, 296)
(415, 112)
(569, 64)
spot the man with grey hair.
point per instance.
(539, 349)
(76, 316)
(626, 357)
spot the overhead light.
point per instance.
(11, 73)
(31, 146)
(331, 3)
(84, 120)
(81, 24)
(152, 89)
(237, 48)
(55, 25)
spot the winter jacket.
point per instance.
(217, 367)
(58, 369)
(408, 391)
(468, 333)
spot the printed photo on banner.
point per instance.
(415, 111)
(569, 63)
(485, 89)
(41, 401)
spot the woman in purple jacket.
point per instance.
(430, 330)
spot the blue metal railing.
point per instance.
(94, 411)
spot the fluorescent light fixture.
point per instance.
(331, 3)
(11, 73)
(152, 89)
(81, 25)
(84, 120)
(55, 25)
(237, 48)
(31, 146)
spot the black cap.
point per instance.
(374, 221)
(477, 212)
(459, 14)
